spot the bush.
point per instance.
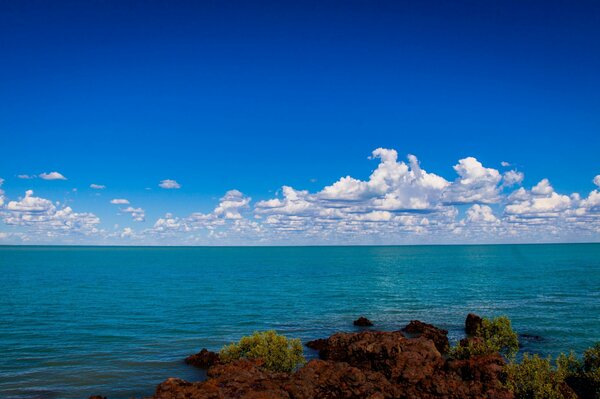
(277, 352)
(535, 378)
(494, 336)
(582, 376)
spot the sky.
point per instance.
(299, 123)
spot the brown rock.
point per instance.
(368, 364)
(203, 359)
(363, 322)
(317, 344)
(472, 324)
(439, 337)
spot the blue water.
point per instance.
(75, 321)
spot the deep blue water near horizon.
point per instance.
(116, 321)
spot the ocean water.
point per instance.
(116, 321)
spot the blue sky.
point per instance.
(221, 96)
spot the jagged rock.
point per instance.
(203, 359)
(439, 337)
(368, 364)
(472, 324)
(363, 322)
(317, 344)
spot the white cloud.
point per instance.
(137, 214)
(1, 192)
(169, 184)
(597, 180)
(97, 186)
(26, 176)
(505, 164)
(41, 216)
(52, 176)
(119, 201)
(512, 177)
(481, 214)
(399, 202)
(476, 184)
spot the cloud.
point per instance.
(475, 184)
(481, 214)
(52, 176)
(1, 192)
(41, 216)
(26, 176)
(512, 177)
(137, 214)
(398, 202)
(119, 201)
(505, 164)
(97, 186)
(169, 184)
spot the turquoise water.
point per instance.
(117, 321)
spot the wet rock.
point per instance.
(363, 322)
(531, 337)
(203, 359)
(439, 337)
(472, 324)
(97, 397)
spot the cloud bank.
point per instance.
(399, 203)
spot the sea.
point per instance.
(117, 321)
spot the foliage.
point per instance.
(494, 336)
(535, 378)
(277, 352)
(582, 376)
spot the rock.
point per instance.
(317, 344)
(472, 324)
(439, 337)
(97, 397)
(203, 359)
(367, 364)
(363, 322)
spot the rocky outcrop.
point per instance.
(203, 359)
(367, 364)
(439, 337)
(317, 344)
(473, 324)
(362, 322)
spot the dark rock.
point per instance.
(203, 359)
(367, 364)
(439, 337)
(473, 324)
(97, 397)
(317, 344)
(531, 337)
(363, 322)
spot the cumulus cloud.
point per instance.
(97, 186)
(26, 176)
(481, 214)
(399, 202)
(475, 184)
(42, 216)
(119, 201)
(52, 176)
(169, 184)
(512, 177)
(1, 192)
(137, 214)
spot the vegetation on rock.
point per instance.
(276, 352)
(492, 336)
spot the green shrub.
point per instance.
(535, 378)
(494, 336)
(582, 376)
(277, 352)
